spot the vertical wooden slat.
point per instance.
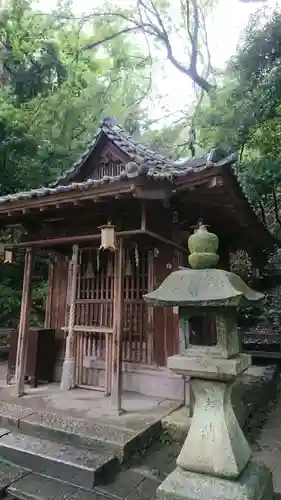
(68, 291)
(118, 328)
(24, 323)
(150, 315)
(49, 301)
(104, 277)
(56, 293)
(107, 364)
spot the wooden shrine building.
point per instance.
(95, 295)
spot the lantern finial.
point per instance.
(203, 247)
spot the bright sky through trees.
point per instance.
(225, 25)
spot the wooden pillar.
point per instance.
(68, 371)
(118, 317)
(24, 323)
(48, 311)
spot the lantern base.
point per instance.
(68, 371)
(255, 483)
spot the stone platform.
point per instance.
(52, 434)
(57, 444)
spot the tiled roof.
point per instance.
(149, 161)
(143, 161)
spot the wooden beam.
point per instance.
(196, 178)
(24, 323)
(118, 319)
(70, 239)
(152, 194)
(171, 243)
(93, 237)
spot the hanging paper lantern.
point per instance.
(108, 237)
(6, 255)
(9, 257)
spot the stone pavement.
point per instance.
(264, 433)
(267, 443)
(143, 475)
(138, 481)
(141, 479)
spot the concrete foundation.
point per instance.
(146, 380)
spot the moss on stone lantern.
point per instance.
(203, 247)
(215, 460)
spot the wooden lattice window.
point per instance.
(109, 165)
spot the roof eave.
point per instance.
(58, 200)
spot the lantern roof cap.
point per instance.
(202, 287)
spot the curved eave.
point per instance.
(218, 185)
(236, 192)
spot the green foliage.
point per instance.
(244, 114)
(53, 96)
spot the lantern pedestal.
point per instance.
(215, 460)
(255, 483)
(215, 443)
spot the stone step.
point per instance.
(121, 440)
(78, 466)
(115, 439)
(35, 487)
(8, 474)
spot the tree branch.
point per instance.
(194, 37)
(154, 26)
(108, 38)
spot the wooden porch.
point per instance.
(87, 405)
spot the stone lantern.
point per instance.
(215, 460)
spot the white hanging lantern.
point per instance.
(9, 257)
(108, 237)
(6, 254)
